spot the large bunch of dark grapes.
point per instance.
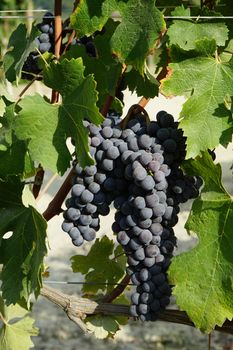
(138, 169)
(43, 43)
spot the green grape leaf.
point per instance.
(185, 33)
(17, 328)
(6, 122)
(120, 257)
(13, 159)
(203, 276)
(106, 326)
(22, 254)
(90, 16)
(104, 62)
(79, 97)
(102, 326)
(19, 48)
(12, 150)
(99, 266)
(46, 127)
(146, 85)
(204, 118)
(38, 123)
(136, 36)
(204, 47)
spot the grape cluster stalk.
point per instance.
(138, 170)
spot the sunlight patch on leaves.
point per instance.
(46, 127)
(204, 118)
(185, 33)
(17, 328)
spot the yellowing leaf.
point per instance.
(17, 329)
(102, 326)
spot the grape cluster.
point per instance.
(94, 186)
(44, 43)
(138, 169)
(87, 41)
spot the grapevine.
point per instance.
(141, 166)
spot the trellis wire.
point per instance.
(166, 17)
(38, 10)
(88, 283)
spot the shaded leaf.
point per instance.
(144, 23)
(105, 67)
(98, 266)
(13, 156)
(22, 254)
(146, 85)
(19, 48)
(134, 38)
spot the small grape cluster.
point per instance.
(138, 170)
(93, 190)
(88, 43)
(44, 43)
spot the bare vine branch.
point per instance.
(77, 308)
(109, 100)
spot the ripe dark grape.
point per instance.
(43, 43)
(138, 170)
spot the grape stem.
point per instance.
(118, 290)
(55, 95)
(72, 33)
(54, 207)
(58, 27)
(107, 105)
(26, 88)
(57, 40)
(162, 74)
(108, 102)
(77, 308)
